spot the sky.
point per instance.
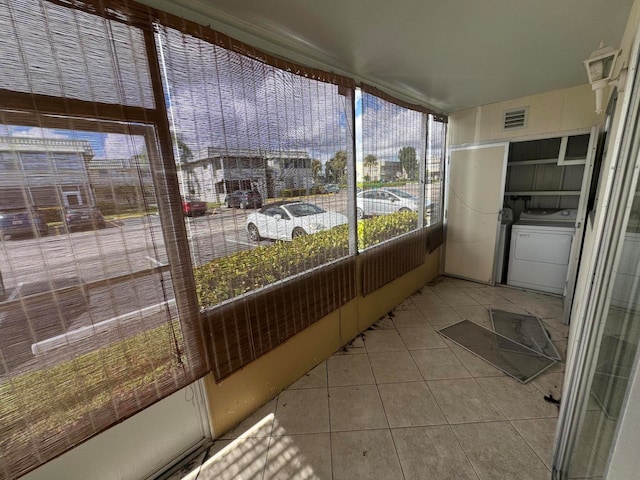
(222, 99)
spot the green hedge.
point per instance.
(247, 270)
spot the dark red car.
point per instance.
(192, 207)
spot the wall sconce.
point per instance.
(600, 68)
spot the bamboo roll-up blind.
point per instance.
(393, 140)
(390, 260)
(94, 318)
(242, 125)
(247, 328)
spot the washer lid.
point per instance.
(545, 217)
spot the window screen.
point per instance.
(89, 326)
(393, 198)
(57, 51)
(263, 156)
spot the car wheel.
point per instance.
(298, 232)
(227, 204)
(254, 233)
(404, 210)
(359, 213)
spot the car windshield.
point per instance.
(401, 194)
(303, 209)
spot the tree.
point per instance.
(336, 168)
(409, 162)
(369, 162)
(316, 168)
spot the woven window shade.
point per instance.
(394, 141)
(96, 313)
(247, 133)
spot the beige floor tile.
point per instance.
(356, 408)
(409, 318)
(394, 367)
(422, 337)
(475, 365)
(410, 404)
(431, 453)
(539, 433)
(497, 451)
(542, 310)
(515, 295)
(466, 284)
(315, 378)
(240, 459)
(302, 411)
(439, 364)
(515, 400)
(354, 347)
(485, 297)
(345, 370)
(384, 323)
(457, 299)
(406, 305)
(258, 424)
(430, 300)
(550, 383)
(475, 313)
(558, 326)
(383, 341)
(369, 455)
(305, 456)
(463, 400)
(440, 316)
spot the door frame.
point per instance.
(610, 221)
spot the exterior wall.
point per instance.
(215, 172)
(38, 172)
(120, 184)
(239, 395)
(549, 113)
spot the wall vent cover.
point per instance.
(516, 118)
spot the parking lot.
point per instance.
(124, 267)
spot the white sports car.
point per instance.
(286, 220)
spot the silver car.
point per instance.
(382, 201)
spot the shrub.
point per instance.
(227, 277)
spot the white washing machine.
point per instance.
(540, 250)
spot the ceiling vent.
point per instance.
(516, 118)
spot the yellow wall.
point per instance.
(549, 113)
(239, 395)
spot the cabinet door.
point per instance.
(474, 199)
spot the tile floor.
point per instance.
(401, 402)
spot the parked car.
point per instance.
(287, 220)
(79, 217)
(22, 222)
(192, 207)
(36, 311)
(331, 188)
(244, 199)
(381, 201)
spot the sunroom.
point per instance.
(305, 338)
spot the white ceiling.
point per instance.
(450, 54)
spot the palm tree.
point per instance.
(370, 161)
